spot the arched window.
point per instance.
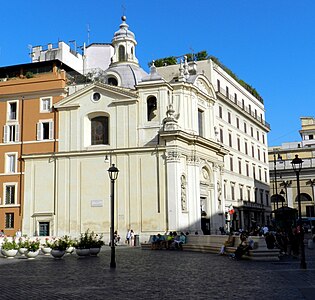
(99, 131)
(112, 81)
(304, 197)
(151, 108)
(121, 53)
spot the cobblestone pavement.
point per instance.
(146, 274)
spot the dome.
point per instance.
(129, 75)
(123, 32)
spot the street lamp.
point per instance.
(275, 172)
(113, 174)
(297, 166)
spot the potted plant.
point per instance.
(82, 245)
(96, 243)
(46, 248)
(32, 248)
(9, 248)
(59, 246)
(22, 248)
(88, 243)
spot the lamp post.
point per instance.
(297, 166)
(275, 172)
(113, 174)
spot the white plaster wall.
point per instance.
(98, 56)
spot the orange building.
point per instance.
(29, 125)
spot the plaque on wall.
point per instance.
(96, 203)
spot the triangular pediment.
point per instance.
(113, 94)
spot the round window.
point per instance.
(96, 96)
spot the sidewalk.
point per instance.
(155, 275)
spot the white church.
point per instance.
(189, 141)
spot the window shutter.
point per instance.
(39, 131)
(17, 133)
(51, 130)
(5, 133)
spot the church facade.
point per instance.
(166, 133)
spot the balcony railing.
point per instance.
(243, 107)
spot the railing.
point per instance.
(243, 107)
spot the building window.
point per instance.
(264, 155)
(10, 194)
(96, 96)
(112, 81)
(238, 144)
(231, 163)
(246, 148)
(10, 162)
(241, 192)
(311, 137)
(247, 170)
(258, 154)
(11, 133)
(266, 178)
(43, 228)
(229, 117)
(220, 112)
(227, 92)
(245, 127)
(254, 172)
(257, 135)
(232, 192)
(238, 123)
(45, 104)
(218, 85)
(45, 130)
(235, 97)
(9, 220)
(221, 135)
(259, 173)
(252, 131)
(243, 103)
(249, 108)
(253, 151)
(151, 108)
(239, 166)
(267, 199)
(12, 111)
(263, 138)
(310, 211)
(200, 122)
(248, 194)
(230, 139)
(121, 53)
(99, 131)
(304, 197)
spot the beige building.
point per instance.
(190, 143)
(177, 136)
(283, 178)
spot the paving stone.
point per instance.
(146, 274)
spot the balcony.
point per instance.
(244, 108)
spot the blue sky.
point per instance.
(270, 44)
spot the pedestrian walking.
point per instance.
(128, 237)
